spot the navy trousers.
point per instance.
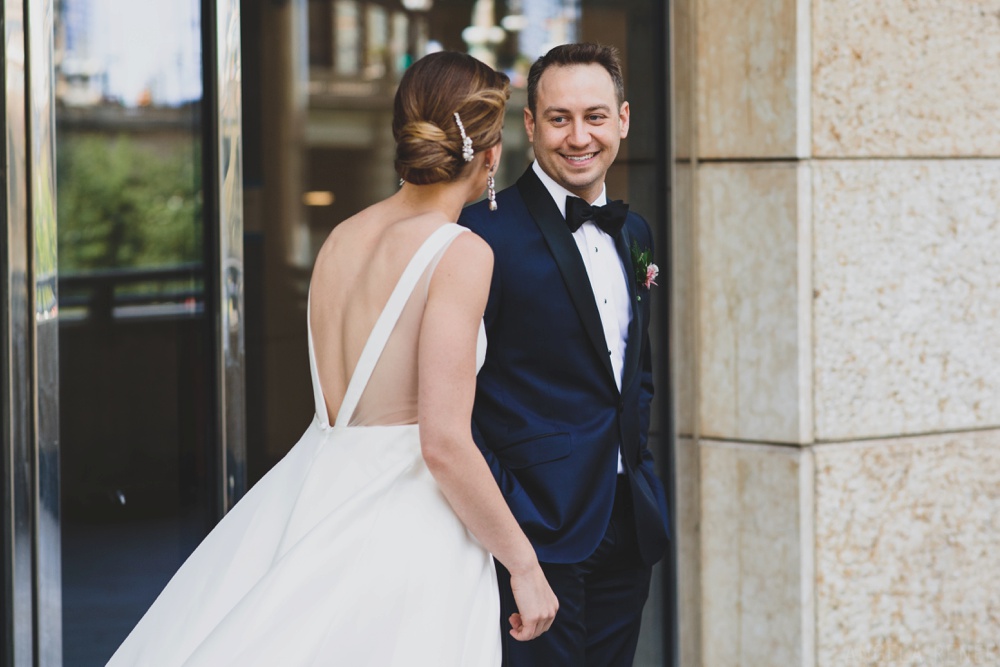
(600, 602)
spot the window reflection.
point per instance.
(135, 339)
(128, 54)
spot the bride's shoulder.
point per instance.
(467, 263)
(469, 248)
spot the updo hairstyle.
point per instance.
(428, 141)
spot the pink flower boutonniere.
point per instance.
(645, 270)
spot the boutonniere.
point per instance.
(645, 270)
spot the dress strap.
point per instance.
(318, 397)
(390, 314)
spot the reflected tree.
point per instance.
(127, 204)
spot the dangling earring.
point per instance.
(401, 181)
(491, 193)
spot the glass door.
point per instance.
(138, 401)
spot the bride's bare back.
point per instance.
(356, 270)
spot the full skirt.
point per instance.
(345, 553)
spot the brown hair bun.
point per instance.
(433, 89)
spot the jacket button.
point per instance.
(621, 405)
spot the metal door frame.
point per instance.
(224, 219)
(32, 615)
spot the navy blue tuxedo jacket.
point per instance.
(548, 415)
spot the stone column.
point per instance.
(837, 303)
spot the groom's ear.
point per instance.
(529, 124)
(624, 114)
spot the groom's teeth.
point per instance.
(579, 158)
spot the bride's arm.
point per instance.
(447, 386)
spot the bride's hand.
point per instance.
(536, 603)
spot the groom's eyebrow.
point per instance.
(562, 110)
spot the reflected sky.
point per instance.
(136, 53)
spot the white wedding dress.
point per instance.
(346, 553)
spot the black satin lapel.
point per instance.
(633, 347)
(567, 257)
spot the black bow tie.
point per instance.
(610, 218)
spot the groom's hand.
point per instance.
(536, 603)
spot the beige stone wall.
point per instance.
(836, 283)
(907, 535)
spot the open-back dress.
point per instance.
(346, 553)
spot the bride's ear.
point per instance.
(492, 155)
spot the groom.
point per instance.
(563, 400)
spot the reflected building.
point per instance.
(135, 55)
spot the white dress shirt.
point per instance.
(607, 278)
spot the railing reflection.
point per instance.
(106, 296)
(133, 344)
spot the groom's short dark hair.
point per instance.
(577, 54)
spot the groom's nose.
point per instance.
(579, 134)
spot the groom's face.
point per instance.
(577, 126)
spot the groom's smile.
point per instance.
(577, 126)
(578, 161)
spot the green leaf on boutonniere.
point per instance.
(645, 270)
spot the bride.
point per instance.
(370, 542)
